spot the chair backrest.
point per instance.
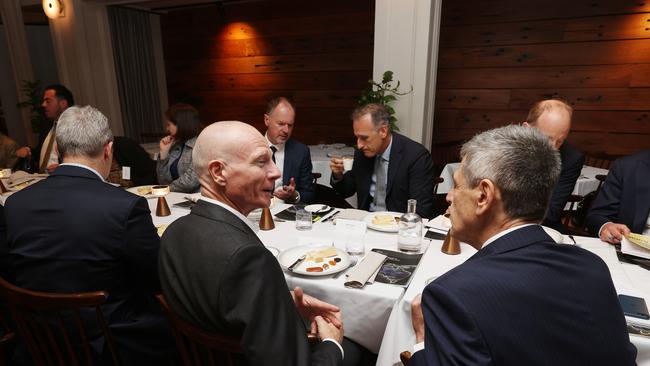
(196, 346)
(6, 339)
(436, 183)
(51, 326)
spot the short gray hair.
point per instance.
(82, 131)
(520, 161)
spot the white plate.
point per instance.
(289, 256)
(317, 208)
(141, 190)
(338, 145)
(554, 234)
(386, 228)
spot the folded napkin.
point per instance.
(352, 214)
(439, 223)
(366, 269)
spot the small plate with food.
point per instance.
(317, 261)
(142, 191)
(386, 221)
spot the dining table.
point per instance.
(378, 316)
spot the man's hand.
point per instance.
(165, 144)
(336, 165)
(23, 152)
(417, 318)
(613, 233)
(326, 329)
(287, 193)
(310, 307)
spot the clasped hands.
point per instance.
(325, 318)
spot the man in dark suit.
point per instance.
(521, 299)
(73, 232)
(552, 117)
(292, 157)
(388, 168)
(623, 203)
(217, 274)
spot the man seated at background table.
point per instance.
(552, 117)
(217, 274)
(623, 203)
(521, 299)
(388, 168)
(290, 156)
(73, 232)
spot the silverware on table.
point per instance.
(334, 214)
(23, 182)
(297, 262)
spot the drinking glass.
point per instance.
(303, 219)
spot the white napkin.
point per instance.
(439, 223)
(362, 272)
(352, 214)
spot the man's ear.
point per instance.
(217, 173)
(383, 131)
(525, 124)
(108, 150)
(267, 120)
(486, 194)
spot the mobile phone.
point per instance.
(634, 306)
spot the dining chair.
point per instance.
(436, 183)
(51, 327)
(196, 346)
(7, 337)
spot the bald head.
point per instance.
(233, 163)
(552, 118)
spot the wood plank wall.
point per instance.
(229, 59)
(498, 57)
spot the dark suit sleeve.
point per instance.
(451, 335)
(4, 248)
(256, 302)
(141, 247)
(304, 178)
(571, 168)
(421, 183)
(608, 202)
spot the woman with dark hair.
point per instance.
(174, 165)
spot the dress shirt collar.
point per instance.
(280, 147)
(386, 154)
(85, 167)
(234, 212)
(502, 233)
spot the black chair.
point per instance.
(129, 153)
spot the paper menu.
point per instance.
(631, 246)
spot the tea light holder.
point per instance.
(162, 208)
(266, 220)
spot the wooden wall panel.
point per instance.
(497, 58)
(230, 59)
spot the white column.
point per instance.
(21, 66)
(84, 54)
(406, 42)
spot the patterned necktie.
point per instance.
(380, 185)
(274, 149)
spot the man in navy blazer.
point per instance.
(552, 117)
(521, 299)
(405, 166)
(292, 157)
(623, 203)
(73, 232)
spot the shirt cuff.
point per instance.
(297, 197)
(418, 347)
(338, 345)
(602, 226)
(334, 180)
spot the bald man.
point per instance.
(553, 118)
(217, 274)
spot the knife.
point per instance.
(23, 182)
(297, 262)
(332, 216)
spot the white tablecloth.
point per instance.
(399, 336)
(586, 183)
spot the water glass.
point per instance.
(303, 219)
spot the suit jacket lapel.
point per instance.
(514, 240)
(363, 175)
(393, 162)
(642, 202)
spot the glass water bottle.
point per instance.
(409, 238)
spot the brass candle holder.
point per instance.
(266, 220)
(162, 208)
(451, 245)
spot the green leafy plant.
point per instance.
(383, 93)
(31, 91)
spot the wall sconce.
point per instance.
(53, 8)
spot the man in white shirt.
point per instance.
(521, 299)
(217, 274)
(56, 99)
(289, 155)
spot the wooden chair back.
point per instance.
(196, 346)
(51, 326)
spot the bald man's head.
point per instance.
(233, 163)
(551, 117)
